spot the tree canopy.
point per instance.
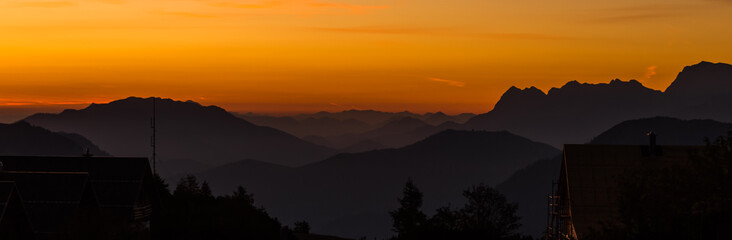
(486, 215)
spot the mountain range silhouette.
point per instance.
(361, 130)
(577, 111)
(186, 131)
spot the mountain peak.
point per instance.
(517, 97)
(702, 80)
(573, 83)
(619, 82)
(137, 103)
(136, 100)
(531, 91)
(186, 129)
(704, 65)
(476, 139)
(574, 87)
(435, 114)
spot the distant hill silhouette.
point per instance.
(395, 133)
(530, 186)
(370, 117)
(174, 169)
(361, 130)
(670, 131)
(350, 194)
(376, 118)
(363, 146)
(186, 130)
(309, 126)
(440, 118)
(576, 112)
(22, 139)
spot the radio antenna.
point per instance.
(152, 139)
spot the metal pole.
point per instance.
(152, 142)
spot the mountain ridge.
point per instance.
(185, 130)
(576, 112)
(23, 139)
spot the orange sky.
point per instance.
(286, 56)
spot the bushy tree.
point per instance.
(486, 215)
(187, 186)
(302, 227)
(192, 212)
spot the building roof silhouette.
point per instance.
(588, 185)
(60, 193)
(52, 200)
(13, 219)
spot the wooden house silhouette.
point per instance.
(586, 197)
(76, 197)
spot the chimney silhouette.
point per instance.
(88, 153)
(652, 143)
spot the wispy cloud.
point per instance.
(434, 31)
(721, 1)
(185, 14)
(111, 1)
(645, 12)
(650, 72)
(351, 7)
(536, 36)
(44, 4)
(659, 7)
(309, 6)
(448, 82)
(268, 4)
(632, 17)
(376, 30)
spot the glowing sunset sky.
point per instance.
(311, 55)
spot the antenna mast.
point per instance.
(152, 139)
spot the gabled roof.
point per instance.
(589, 175)
(7, 194)
(7, 189)
(99, 168)
(52, 200)
(13, 219)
